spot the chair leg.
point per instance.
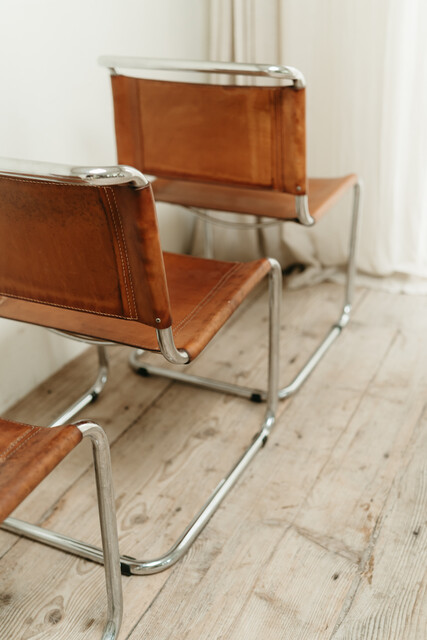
(208, 242)
(259, 395)
(129, 564)
(108, 525)
(344, 318)
(91, 394)
(145, 370)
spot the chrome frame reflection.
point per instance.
(131, 565)
(256, 394)
(108, 526)
(302, 211)
(91, 394)
(54, 172)
(212, 219)
(274, 71)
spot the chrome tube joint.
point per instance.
(302, 211)
(168, 349)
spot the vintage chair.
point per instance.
(28, 454)
(232, 148)
(80, 253)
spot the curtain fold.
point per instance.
(366, 72)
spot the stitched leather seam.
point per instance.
(129, 274)
(23, 439)
(125, 277)
(41, 181)
(25, 442)
(63, 306)
(18, 439)
(23, 424)
(207, 298)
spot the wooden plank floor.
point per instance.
(325, 536)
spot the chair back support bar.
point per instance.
(230, 135)
(81, 247)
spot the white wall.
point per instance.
(56, 106)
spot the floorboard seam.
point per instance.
(368, 553)
(150, 605)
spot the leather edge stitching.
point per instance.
(129, 274)
(206, 299)
(23, 439)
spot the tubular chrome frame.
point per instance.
(258, 395)
(53, 172)
(277, 72)
(80, 337)
(130, 565)
(108, 525)
(209, 217)
(91, 394)
(302, 213)
(168, 349)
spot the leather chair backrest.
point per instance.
(69, 247)
(232, 135)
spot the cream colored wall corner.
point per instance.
(57, 107)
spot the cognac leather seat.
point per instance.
(203, 295)
(27, 455)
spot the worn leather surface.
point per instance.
(87, 259)
(247, 136)
(27, 455)
(203, 295)
(83, 248)
(322, 194)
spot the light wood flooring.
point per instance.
(324, 537)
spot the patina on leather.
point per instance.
(27, 455)
(87, 259)
(82, 248)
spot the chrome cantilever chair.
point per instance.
(28, 454)
(231, 148)
(105, 278)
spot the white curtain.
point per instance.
(365, 64)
